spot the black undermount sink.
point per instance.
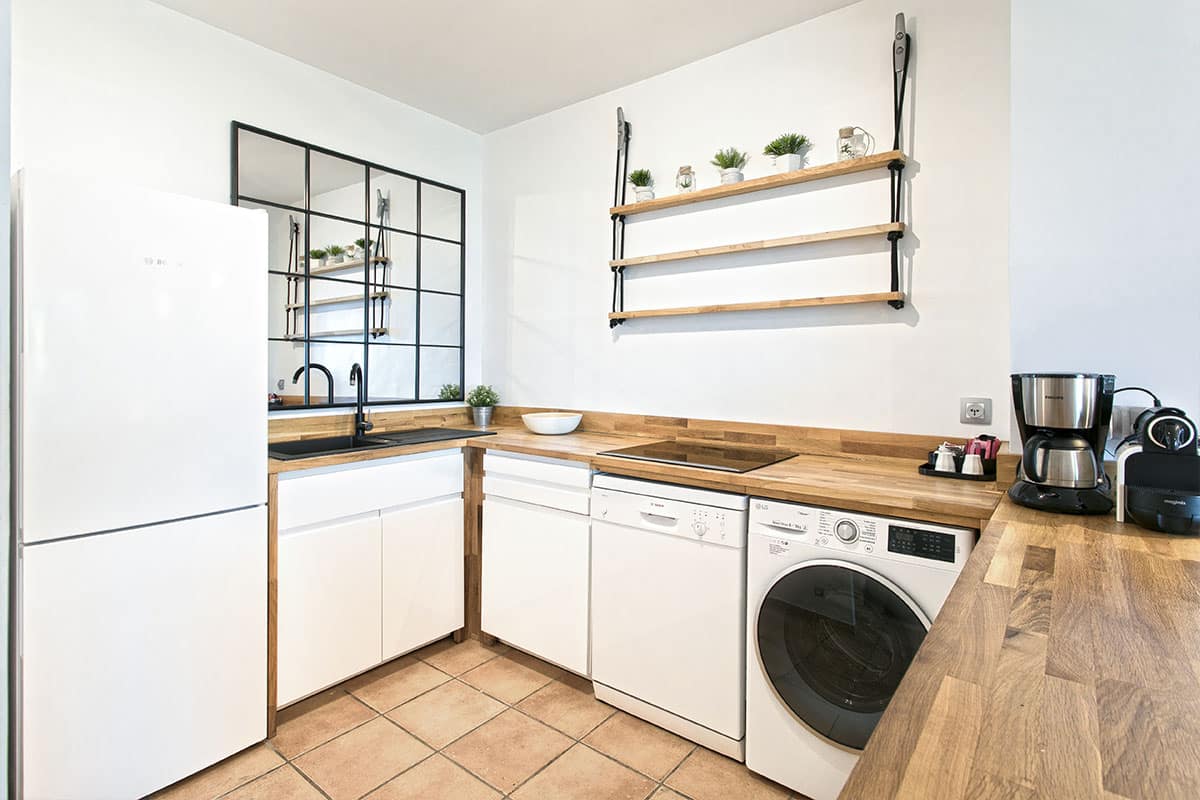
(333, 445)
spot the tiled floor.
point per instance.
(469, 722)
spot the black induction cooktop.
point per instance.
(703, 456)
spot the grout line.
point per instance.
(275, 768)
(315, 785)
(398, 774)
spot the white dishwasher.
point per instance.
(536, 543)
(668, 607)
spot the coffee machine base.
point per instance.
(1062, 501)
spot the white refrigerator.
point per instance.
(139, 470)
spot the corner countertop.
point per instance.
(871, 484)
(1065, 663)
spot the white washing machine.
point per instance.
(837, 604)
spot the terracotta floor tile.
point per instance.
(505, 679)
(396, 682)
(223, 776)
(709, 776)
(284, 783)
(664, 793)
(507, 750)
(537, 665)
(645, 747)
(352, 765)
(435, 778)
(583, 774)
(316, 720)
(440, 716)
(456, 659)
(573, 710)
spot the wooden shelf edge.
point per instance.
(802, 302)
(299, 337)
(327, 268)
(850, 167)
(764, 244)
(333, 301)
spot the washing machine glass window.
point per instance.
(835, 639)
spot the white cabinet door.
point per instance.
(144, 655)
(329, 604)
(535, 580)
(422, 574)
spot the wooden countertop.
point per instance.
(871, 484)
(1065, 664)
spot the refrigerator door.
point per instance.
(143, 356)
(144, 655)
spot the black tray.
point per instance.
(989, 469)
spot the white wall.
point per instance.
(5, 409)
(1104, 275)
(132, 91)
(548, 186)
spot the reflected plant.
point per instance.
(450, 391)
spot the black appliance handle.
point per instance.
(1028, 456)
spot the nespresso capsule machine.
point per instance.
(1063, 421)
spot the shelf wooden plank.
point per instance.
(802, 302)
(325, 269)
(333, 301)
(849, 167)
(331, 334)
(764, 244)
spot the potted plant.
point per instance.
(730, 161)
(788, 151)
(316, 258)
(450, 391)
(481, 400)
(336, 253)
(643, 184)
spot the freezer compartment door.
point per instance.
(144, 655)
(142, 368)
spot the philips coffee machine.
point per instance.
(1063, 421)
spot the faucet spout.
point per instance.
(361, 425)
(319, 368)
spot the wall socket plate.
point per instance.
(975, 410)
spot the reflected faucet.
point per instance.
(320, 367)
(361, 425)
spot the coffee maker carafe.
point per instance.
(1063, 421)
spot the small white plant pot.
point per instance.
(642, 193)
(732, 175)
(337, 259)
(316, 262)
(790, 162)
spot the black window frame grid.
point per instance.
(236, 198)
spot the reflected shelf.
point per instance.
(333, 301)
(300, 337)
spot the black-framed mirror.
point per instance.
(366, 264)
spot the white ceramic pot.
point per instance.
(731, 175)
(336, 259)
(482, 415)
(315, 262)
(643, 193)
(789, 162)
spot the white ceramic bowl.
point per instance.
(551, 423)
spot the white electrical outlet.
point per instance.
(975, 410)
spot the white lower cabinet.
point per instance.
(330, 604)
(370, 566)
(536, 557)
(422, 574)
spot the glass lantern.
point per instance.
(685, 179)
(852, 143)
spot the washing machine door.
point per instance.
(834, 640)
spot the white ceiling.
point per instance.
(486, 64)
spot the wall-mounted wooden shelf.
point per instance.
(764, 244)
(802, 302)
(325, 269)
(333, 301)
(332, 334)
(849, 167)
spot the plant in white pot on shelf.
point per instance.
(730, 161)
(789, 151)
(316, 258)
(481, 400)
(337, 253)
(643, 184)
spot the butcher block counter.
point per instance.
(1065, 664)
